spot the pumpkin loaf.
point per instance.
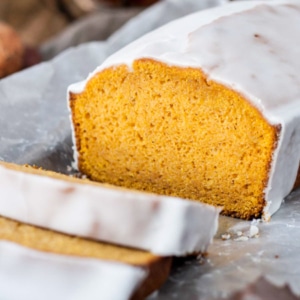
(206, 107)
(162, 225)
(115, 272)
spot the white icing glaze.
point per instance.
(27, 274)
(251, 47)
(160, 224)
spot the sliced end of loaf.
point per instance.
(172, 131)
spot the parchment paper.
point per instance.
(35, 128)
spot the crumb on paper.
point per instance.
(78, 175)
(266, 217)
(226, 236)
(253, 231)
(200, 259)
(242, 235)
(241, 239)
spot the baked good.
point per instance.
(199, 110)
(162, 225)
(11, 51)
(93, 269)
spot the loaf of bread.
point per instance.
(11, 51)
(69, 267)
(162, 225)
(205, 108)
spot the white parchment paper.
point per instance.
(35, 128)
(233, 264)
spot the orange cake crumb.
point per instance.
(170, 130)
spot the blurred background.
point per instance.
(39, 24)
(38, 20)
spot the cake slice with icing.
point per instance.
(206, 108)
(162, 225)
(35, 261)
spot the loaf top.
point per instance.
(251, 47)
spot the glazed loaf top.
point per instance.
(251, 47)
(261, 54)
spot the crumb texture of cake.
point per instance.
(161, 141)
(162, 225)
(199, 110)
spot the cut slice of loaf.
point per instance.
(198, 109)
(163, 225)
(109, 271)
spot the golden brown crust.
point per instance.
(157, 275)
(297, 182)
(11, 51)
(50, 241)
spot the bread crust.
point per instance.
(297, 182)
